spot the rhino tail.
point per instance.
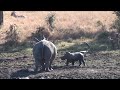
(42, 50)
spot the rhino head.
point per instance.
(66, 55)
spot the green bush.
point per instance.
(103, 36)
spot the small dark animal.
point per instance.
(44, 53)
(72, 57)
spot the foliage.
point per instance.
(102, 34)
(12, 38)
(117, 13)
(116, 24)
(40, 32)
(50, 21)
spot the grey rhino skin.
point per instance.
(44, 53)
(72, 57)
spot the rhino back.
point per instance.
(76, 55)
(44, 49)
(49, 49)
(37, 50)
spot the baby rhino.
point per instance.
(72, 57)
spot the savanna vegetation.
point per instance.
(69, 31)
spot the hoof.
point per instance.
(47, 70)
(51, 69)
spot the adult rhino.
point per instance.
(44, 53)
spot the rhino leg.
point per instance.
(82, 59)
(43, 65)
(36, 64)
(83, 62)
(67, 62)
(47, 63)
(79, 62)
(73, 62)
(50, 65)
(39, 64)
(53, 57)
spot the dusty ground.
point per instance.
(99, 65)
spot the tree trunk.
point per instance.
(1, 18)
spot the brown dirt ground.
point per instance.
(98, 66)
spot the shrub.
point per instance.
(116, 24)
(103, 36)
(50, 21)
(12, 38)
(40, 32)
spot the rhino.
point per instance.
(44, 53)
(73, 57)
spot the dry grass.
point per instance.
(64, 19)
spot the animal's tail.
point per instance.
(42, 50)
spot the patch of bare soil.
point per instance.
(98, 66)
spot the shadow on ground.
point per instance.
(26, 72)
(64, 67)
(22, 73)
